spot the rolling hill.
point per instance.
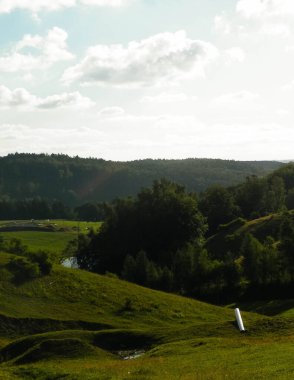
(74, 180)
(72, 324)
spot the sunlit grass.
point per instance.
(55, 241)
(183, 338)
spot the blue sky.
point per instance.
(133, 79)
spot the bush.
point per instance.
(16, 247)
(44, 261)
(2, 245)
(23, 269)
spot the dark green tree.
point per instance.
(286, 245)
(160, 221)
(219, 206)
(252, 251)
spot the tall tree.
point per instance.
(218, 205)
(160, 221)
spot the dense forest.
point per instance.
(75, 181)
(223, 244)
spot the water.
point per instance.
(70, 262)
(130, 354)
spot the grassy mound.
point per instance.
(57, 348)
(228, 237)
(75, 343)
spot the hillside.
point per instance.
(74, 180)
(229, 235)
(73, 324)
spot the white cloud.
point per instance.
(236, 98)
(106, 3)
(234, 54)
(157, 137)
(35, 6)
(282, 112)
(265, 8)
(222, 25)
(289, 49)
(111, 112)
(288, 86)
(275, 30)
(252, 8)
(167, 97)
(36, 52)
(73, 99)
(152, 61)
(21, 98)
(7, 6)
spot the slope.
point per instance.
(77, 325)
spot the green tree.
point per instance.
(250, 196)
(290, 199)
(286, 246)
(129, 269)
(274, 196)
(160, 221)
(218, 205)
(252, 251)
(271, 263)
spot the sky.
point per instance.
(134, 79)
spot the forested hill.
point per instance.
(73, 180)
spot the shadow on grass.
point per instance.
(269, 307)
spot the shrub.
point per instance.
(23, 269)
(16, 247)
(2, 245)
(44, 261)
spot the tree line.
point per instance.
(39, 208)
(74, 181)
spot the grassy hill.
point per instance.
(226, 239)
(72, 324)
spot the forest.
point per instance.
(75, 181)
(219, 245)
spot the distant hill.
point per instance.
(74, 180)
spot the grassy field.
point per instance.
(54, 240)
(76, 325)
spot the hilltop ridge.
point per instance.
(74, 180)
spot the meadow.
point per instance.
(76, 325)
(54, 240)
(73, 324)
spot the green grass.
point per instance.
(53, 241)
(79, 295)
(203, 359)
(71, 325)
(58, 223)
(224, 239)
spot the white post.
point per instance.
(239, 320)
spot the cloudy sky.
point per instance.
(133, 79)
